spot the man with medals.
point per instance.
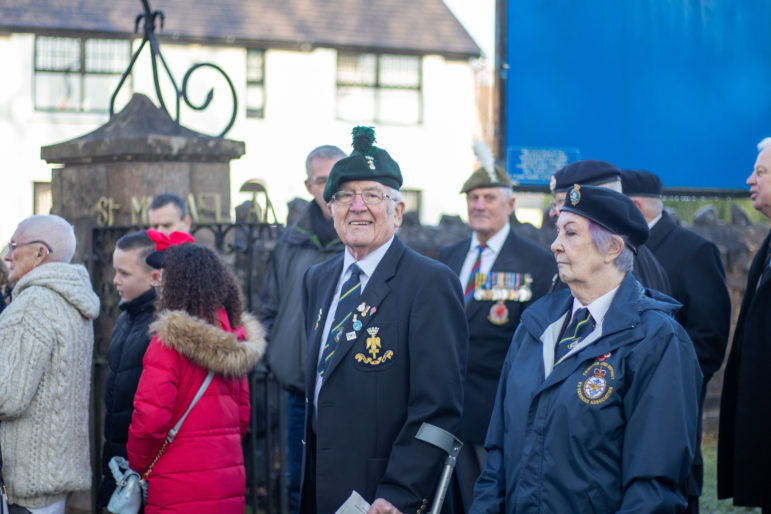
(501, 274)
(387, 345)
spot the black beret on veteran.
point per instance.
(641, 183)
(587, 172)
(609, 209)
(366, 162)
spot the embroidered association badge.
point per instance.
(374, 346)
(598, 383)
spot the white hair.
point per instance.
(55, 231)
(603, 238)
(764, 144)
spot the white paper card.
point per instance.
(355, 504)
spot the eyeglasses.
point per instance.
(369, 197)
(14, 246)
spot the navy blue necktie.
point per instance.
(580, 326)
(349, 298)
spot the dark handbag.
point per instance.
(131, 489)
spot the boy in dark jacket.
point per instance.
(134, 280)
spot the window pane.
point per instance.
(99, 89)
(107, 55)
(356, 104)
(254, 60)
(57, 53)
(60, 91)
(399, 71)
(399, 106)
(356, 69)
(255, 98)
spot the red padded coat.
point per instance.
(202, 470)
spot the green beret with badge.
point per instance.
(366, 162)
(488, 174)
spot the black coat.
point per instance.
(744, 450)
(696, 274)
(489, 339)
(128, 343)
(697, 277)
(368, 413)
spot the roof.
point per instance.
(405, 26)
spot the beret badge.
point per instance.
(575, 194)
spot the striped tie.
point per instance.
(349, 297)
(580, 326)
(468, 292)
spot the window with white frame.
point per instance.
(255, 83)
(78, 74)
(379, 88)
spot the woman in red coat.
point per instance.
(202, 470)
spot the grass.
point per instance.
(709, 504)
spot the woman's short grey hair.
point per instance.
(603, 239)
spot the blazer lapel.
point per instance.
(455, 260)
(374, 293)
(326, 293)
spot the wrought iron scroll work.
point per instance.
(149, 18)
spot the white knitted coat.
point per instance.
(46, 341)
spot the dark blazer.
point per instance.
(488, 340)
(744, 451)
(368, 414)
(696, 274)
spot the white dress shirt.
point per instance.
(489, 254)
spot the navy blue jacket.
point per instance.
(490, 336)
(369, 412)
(611, 429)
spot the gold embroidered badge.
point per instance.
(373, 348)
(596, 388)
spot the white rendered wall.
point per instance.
(435, 156)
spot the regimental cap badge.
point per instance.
(575, 195)
(553, 183)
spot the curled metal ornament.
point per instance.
(149, 18)
(210, 94)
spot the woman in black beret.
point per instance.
(598, 400)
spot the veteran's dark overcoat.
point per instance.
(744, 443)
(489, 339)
(611, 429)
(697, 276)
(368, 414)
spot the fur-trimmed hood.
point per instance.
(211, 347)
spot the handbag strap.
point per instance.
(175, 429)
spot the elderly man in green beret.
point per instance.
(387, 343)
(502, 274)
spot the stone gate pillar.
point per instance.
(109, 176)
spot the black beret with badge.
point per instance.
(587, 172)
(488, 174)
(641, 183)
(609, 209)
(366, 162)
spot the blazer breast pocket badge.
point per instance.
(374, 354)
